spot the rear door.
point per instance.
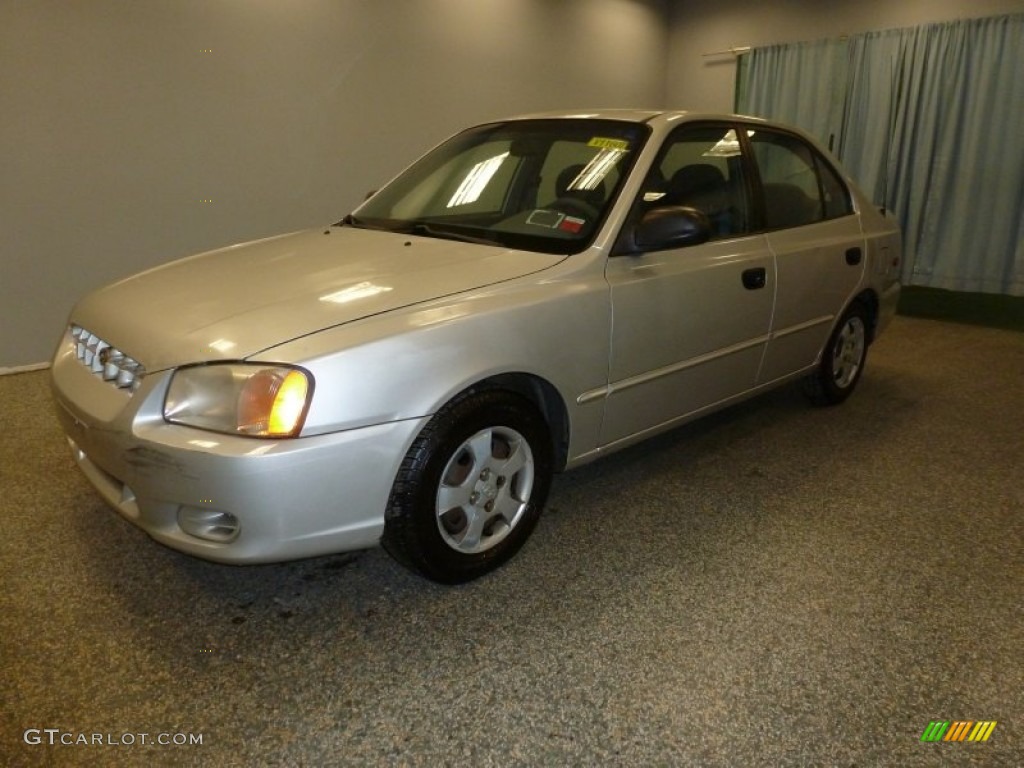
(817, 242)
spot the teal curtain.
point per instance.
(930, 125)
(810, 98)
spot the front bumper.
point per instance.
(292, 498)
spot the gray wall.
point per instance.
(119, 119)
(706, 26)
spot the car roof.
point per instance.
(637, 115)
(631, 115)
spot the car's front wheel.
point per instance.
(471, 487)
(842, 361)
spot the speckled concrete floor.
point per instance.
(776, 585)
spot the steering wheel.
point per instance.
(577, 207)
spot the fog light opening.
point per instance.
(208, 524)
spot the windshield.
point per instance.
(540, 185)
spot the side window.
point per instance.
(701, 167)
(799, 186)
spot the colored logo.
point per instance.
(958, 730)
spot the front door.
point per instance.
(689, 325)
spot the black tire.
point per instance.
(471, 488)
(842, 361)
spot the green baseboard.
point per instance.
(990, 309)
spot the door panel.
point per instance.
(686, 330)
(815, 280)
(814, 235)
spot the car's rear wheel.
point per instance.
(842, 361)
(471, 487)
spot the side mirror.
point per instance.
(673, 226)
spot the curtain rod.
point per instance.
(741, 49)
(729, 51)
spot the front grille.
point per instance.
(105, 361)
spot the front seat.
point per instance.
(565, 190)
(701, 186)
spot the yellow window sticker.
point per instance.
(604, 143)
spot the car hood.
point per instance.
(231, 303)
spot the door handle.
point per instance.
(853, 256)
(754, 278)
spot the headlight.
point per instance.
(240, 398)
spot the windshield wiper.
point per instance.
(429, 230)
(352, 221)
(415, 228)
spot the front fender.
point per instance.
(408, 363)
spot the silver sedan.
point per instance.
(530, 295)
